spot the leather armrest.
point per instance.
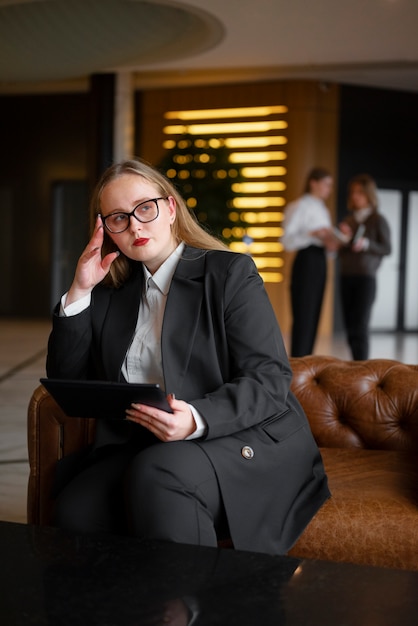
(61, 435)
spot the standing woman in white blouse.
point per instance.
(308, 230)
(156, 299)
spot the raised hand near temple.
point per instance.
(91, 267)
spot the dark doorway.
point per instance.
(70, 230)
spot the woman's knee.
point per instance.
(169, 464)
(172, 493)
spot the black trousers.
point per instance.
(166, 491)
(307, 287)
(357, 296)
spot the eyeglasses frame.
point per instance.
(132, 214)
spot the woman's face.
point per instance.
(358, 198)
(321, 188)
(151, 242)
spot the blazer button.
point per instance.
(247, 452)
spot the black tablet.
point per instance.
(102, 399)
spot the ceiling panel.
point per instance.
(365, 42)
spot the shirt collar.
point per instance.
(361, 215)
(163, 276)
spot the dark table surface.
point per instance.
(57, 578)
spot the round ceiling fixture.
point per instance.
(60, 39)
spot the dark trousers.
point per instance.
(357, 296)
(166, 491)
(309, 274)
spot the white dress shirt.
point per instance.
(142, 363)
(303, 216)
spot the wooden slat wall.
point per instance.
(313, 140)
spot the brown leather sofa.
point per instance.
(364, 416)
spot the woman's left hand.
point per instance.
(360, 245)
(166, 426)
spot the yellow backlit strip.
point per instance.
(221, 129)
(210, 114)
(262, 217)
(254, 142)
(264, 187)
(257, 247)
(263, 172)
(271, 277)
(263, 262)
(263, 232)
(256, 157)
(257, 202)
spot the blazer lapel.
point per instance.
(181, 317)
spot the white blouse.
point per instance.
(143, 362)
(303, 216)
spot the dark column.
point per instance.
(102, 115)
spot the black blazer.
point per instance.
(223, 352)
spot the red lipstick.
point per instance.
(141, 241)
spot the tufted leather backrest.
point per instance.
(358, 404)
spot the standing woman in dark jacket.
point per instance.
(156, 299)
(360, 258)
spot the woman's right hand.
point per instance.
(327, 237)
(345, 228)
(91, 268)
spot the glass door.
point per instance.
(385, 308)
(411, 272)
(396, 304)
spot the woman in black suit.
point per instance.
(157, 299)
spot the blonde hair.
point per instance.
(184, 229)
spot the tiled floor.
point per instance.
(22, 363)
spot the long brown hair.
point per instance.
(369, 188)
(185, 227)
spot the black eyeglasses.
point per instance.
(144, 212)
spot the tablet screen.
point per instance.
(103, 399)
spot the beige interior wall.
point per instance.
(313, 140)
